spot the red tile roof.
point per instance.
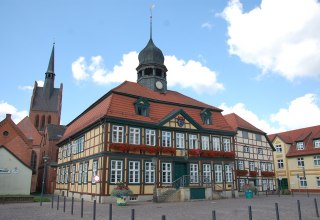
(307, 135)
(236, 122)
(30, 131)
(118, 103)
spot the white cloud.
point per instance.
(279, 36)
(301, 112)
(6, 108)
(186, 74)
(30, 88)
(241, 110)
(207, 25)
(79, 69)
(40, 83)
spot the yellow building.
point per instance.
(297, 159)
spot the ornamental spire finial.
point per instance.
(151, 8)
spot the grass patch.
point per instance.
(38, 199)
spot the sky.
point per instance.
(257, 58)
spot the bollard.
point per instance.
(72, 202)
(64, 204)
(110, 211)
(81, 207)
(299, 210)
(213, 215)
(163, 217)
(316, 206)
(94, 209)
(58, 203)
(277, 211)
(52, 199)
(132, 214)
(250, 212)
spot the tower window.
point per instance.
(158, 72)
(142, 107)
(42, 122)
(206, 116)
(148, 72)
(37, 122)
(49, 119)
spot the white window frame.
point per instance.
(246, 149)
(134, 136)
(194, 173)
(65, 148)
(117, 134)
(280, 164)
(252, 166)
(166, 169)
(218, 173)
(80, 173)
(303, 181)
(193, 141)
(300, 145)
(216, 146)
(316, 143)
(316, 160)
(66, 174)
(69, 150)
(58, 175)
(300, 161)
(73, 173)
(80, 144)
(85, 172)
(263, 166)
(240, 165)
(150, 137)
(241, 182)
(134, 172)
(94, 170)
(278, 148)
(206, 172)
(318, 181)
(227, 144)
(205, 142)
(116, 171)
(149, 173)
(228, 173)
(62, 175)
(260, 151)
(180, 140)
(166, 139)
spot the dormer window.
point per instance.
(206, 116)
(316, 143)
(142, 107)
(300, 145)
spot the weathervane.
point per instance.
(151, 8)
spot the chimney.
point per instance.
(8, 116)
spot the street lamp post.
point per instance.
(155, 162)
(280, 182)
(45, 159)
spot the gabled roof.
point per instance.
(41, 102)
(55, 132)
(119, 104)
(305, 135)
(30, 131)
(175, 113)
(4, 147)
(236, 122)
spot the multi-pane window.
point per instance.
(316, 143)
(94, 170)
(260, 151)
(258, 137)
(228, 173)
(69, 150)
(80, 173)
(226, 144)
(205, 142)
(150, 137)
(278, 148)
(73, 174)
(166, 172)
(134, 171)
(193, 141)
(62, 175)
(263, 166)
(65, 148)
(116, 171)
(218, 173)
(58, 175)
(149, 174)
(85, 172)
(264, 185)
(246, 149)
(318, 181)
(251, 166)
(66, 175)
(270, 184)
(206, 172)
(280, 164)
(61, 153)
(269, 166)
(180, 142)
(117, 134)
(245, 135)
(166, 139)
(216, 144)
(240, 165)
(134, 136)
(241, 184)
(300, 162)
(79, 143)
(194, 173)
(303, 182)
(300, 145)
(316, 160)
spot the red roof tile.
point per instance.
(236, 122)
(307, 135)
(29, 130)
(119, 103)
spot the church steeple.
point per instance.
(151, 70)
(49, 79)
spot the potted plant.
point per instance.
(121, 191)
(248, 190)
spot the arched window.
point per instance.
(36, 124)
(34, 162)
(49, 119)
(42, 122)
(148, 72)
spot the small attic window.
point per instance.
(142, 107)
(206, 116)
(5, 133)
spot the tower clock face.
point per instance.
(159, 85)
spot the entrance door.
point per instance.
(180, 169)
(284, 183)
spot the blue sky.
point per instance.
(257, 58)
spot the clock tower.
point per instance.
(152, 72)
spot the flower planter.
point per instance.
(121, 201)
(249, 194)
